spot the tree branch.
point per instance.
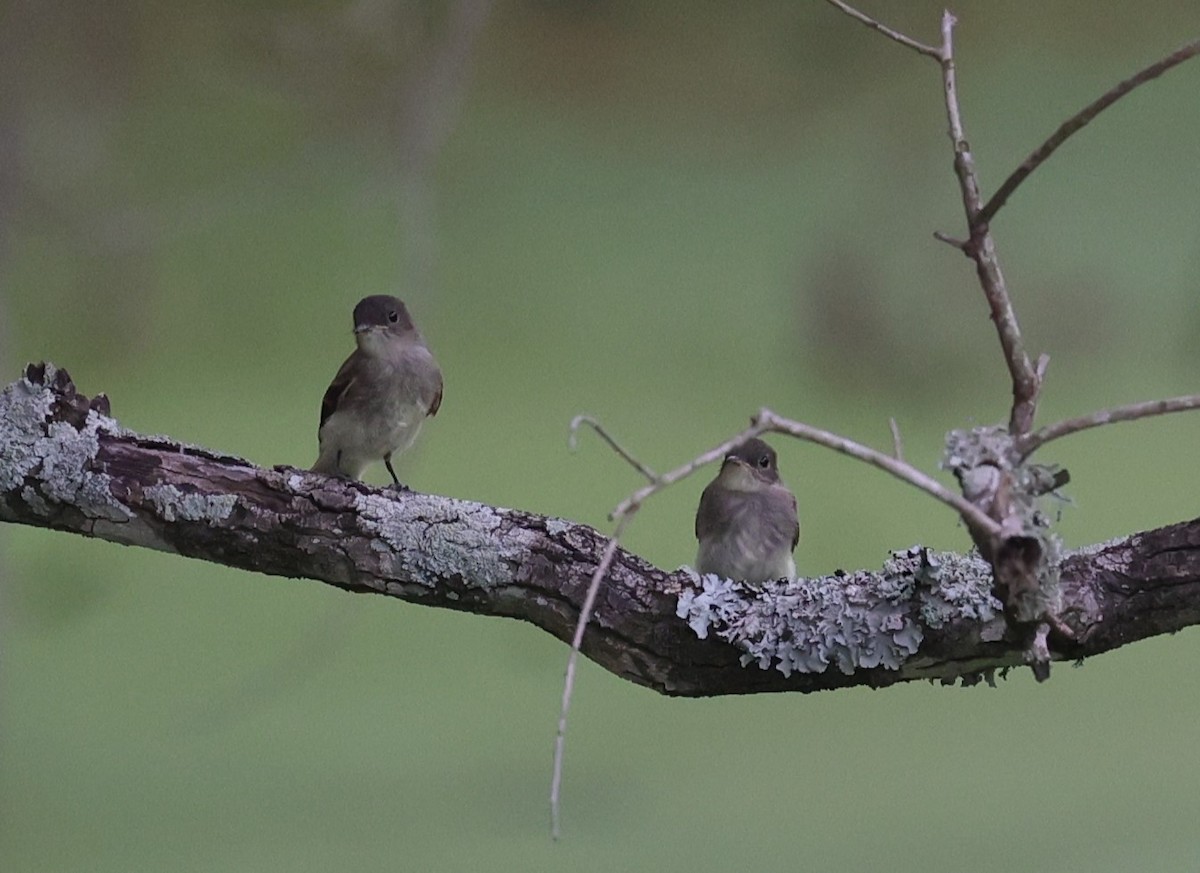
(65, 465)
(1130, 412)
(894, 35)
(981, 248)
(979, 520)
(990, 464)
(1078, 121)
(573, 443)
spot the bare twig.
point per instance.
(1043, 362)
(1129, 412)
(982, 250)
(897, 443)
(585, 614)
(769, 421)
(970, 186)
(979, 246)
(622, 515)
(637, 498)
(949, 240)
(573, 443)
(1080, 120)
(909, 42)
(589, 603)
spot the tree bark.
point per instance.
(66, 465)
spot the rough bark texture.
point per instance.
(66, 465)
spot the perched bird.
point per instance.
(379, 398)
(747, 523)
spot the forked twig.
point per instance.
(1078, 121)
(1026, 376)
(971, 513)
(1129, 412)
(767, 421)
(978, 246)
(585, 613)
(637, 498)
(622, 516)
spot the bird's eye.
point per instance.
(393, 316)
(764, 461)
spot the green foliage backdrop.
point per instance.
(666, 215)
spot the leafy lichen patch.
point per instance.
(950, 587)
(848, 620)
(53, 459)
(429, 539)
(174, 504)
(851, 621)
(24, 409)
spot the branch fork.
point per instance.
(1025, 556)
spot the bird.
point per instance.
(747, 522)
(375, 405)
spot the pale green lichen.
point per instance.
(969, 449)
(850, 621)
(427, 539)
(990, 469)
(53, 459)
(24, 408)
(65, 454)
(172, 504)
(951, 587)
(717, 602)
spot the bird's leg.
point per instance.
(396, 484)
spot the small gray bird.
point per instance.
(376, 403)
(747, 523)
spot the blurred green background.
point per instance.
(665, 214)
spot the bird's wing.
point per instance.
(779, 521)
(706, 517)
(336, 391)
(795, 523)
(436, 403)
(424, 375)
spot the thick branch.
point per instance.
(64, 464)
